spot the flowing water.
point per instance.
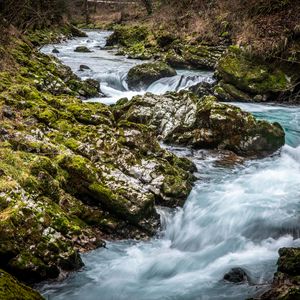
(111, 70)
(236, 215)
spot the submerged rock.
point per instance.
(286, 282)
(55, 50)
(82, 49)
(236, 275)
(84, 67)
(184, 119)
(143, 75)
(11, 289)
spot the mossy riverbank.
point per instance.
(241, 75)
(73, 174)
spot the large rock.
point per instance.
(184, 119)
(251, 75)
(127, 35)
(289, 261)
(11, 289)
(135, 41)
(143, 75)
(181, 54)
(236, 275)
(286, 282)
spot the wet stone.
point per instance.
(236, 275)
(82, 49)
(84, 67)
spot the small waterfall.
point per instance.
(176, 83)
(112, 70)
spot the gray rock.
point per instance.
(84, 67)
(8, 112)
(236, 275)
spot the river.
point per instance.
(237, 215)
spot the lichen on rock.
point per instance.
(185, 119)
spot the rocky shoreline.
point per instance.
(74, 174)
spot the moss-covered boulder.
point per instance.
(127, 35)
(251, 75)
(286, 283)
(136, 42)
(141, 76)
(228, 92)
(12, 289)
(289, 261)
(82, 49)
(184, 119)
(198, 56)
(203, 88)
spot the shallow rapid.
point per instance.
(238, 215)
(111, 70)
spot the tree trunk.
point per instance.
(86, 11)
(148, 5)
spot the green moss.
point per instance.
(145, 74)
(128, 35)
(48, 116)
(289, 261)
(11, 289)
(229, 92)
(79, 166)
(251, 75)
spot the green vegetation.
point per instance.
(11, 289)
(143, 43)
